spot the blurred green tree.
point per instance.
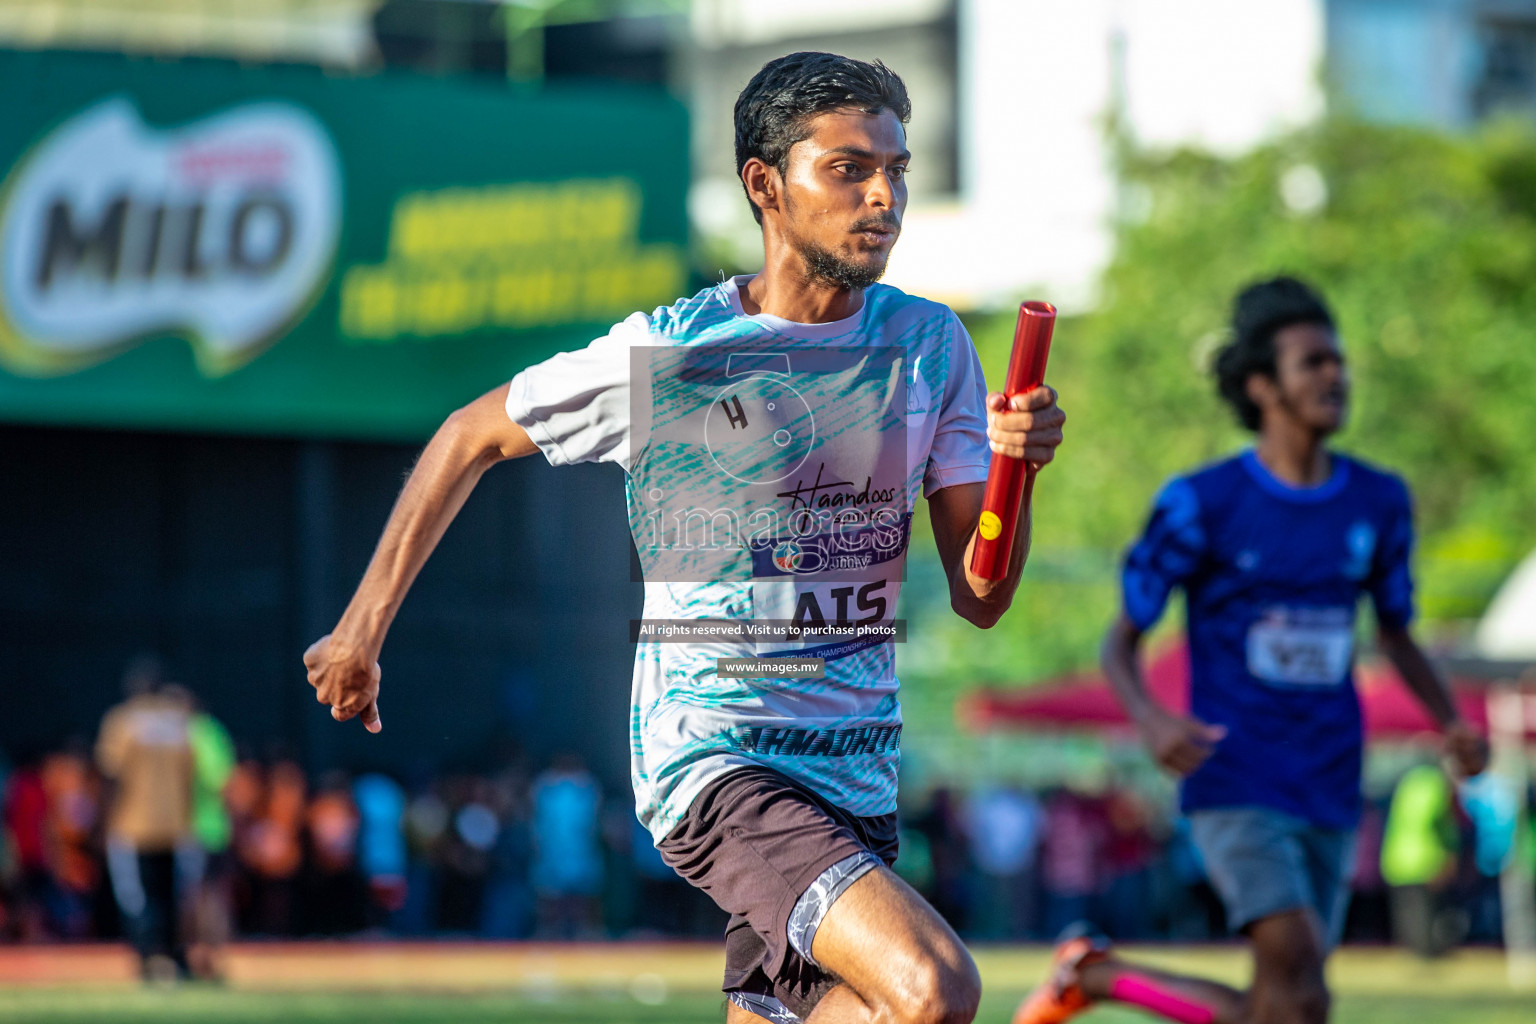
(1424, 244)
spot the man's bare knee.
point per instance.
(941, 987)
(1313, 1003)
(894, 950)
(941, 992)
(1300, 1002)
(1289, 986)
(1302, 992)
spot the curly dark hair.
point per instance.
(1259, 312)
(774, 111)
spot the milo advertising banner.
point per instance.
(206, 246)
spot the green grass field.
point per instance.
(665, 985)
(205, 1007)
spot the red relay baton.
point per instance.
(1010, 480)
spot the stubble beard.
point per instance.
(822, 264)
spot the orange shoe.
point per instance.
(1060, 997)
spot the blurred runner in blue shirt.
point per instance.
(1274, 548)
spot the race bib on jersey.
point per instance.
(828, 620)
(1302, 646)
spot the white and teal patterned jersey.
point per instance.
(772, 470)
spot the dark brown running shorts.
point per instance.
(755, 840)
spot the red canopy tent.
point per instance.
(1085, 700)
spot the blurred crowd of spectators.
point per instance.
(1006, 864)
(163, 835)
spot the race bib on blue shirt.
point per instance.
(1302, 646)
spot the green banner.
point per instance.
(207, 246)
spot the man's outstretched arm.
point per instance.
(343, 666)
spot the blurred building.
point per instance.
(1440, 63)
(532, 40)
(334, 33)
(1012, 183)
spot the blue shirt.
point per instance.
(1273, 574)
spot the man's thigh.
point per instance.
(776, 857)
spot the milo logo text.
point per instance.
(113, 231)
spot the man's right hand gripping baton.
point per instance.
(1010, 481)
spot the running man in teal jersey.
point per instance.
(776, 430)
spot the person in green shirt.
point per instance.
(213, 762)
(1418, 859)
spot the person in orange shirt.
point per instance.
(270, 843)
(73, 809)
(335, 899)
(143, 749)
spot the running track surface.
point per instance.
(679, 967)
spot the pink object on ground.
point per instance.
(1128, 988)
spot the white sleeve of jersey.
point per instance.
(576, 405)
(960, 452)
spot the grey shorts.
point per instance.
(1264, 862)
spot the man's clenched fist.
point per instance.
(345, 679)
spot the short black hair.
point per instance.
(774, 110)
(1259, 312)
